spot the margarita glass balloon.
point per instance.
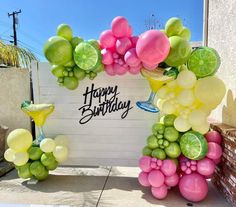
(156, 79)
(39, 113)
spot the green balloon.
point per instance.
(47, 159)
(35, 153)
(43, 175)
(52, 166)
(152, 142)
(24, 171)
(147, 151)
(71, 83)
(173, 150)
(75, 41)
(65, 31)
(173, 26)
(57, 70)
(159, 154)
(36, 168)
(79, 73)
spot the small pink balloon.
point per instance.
(134, 40)
(135, 70)
(156, 178)
(116, 60)
(130, 31)
(214, 136)
(193, 187)
(183, 159)
(143, 179)
(150, 67)
(159, 163)
(188, 163)
(153, 165)
(119, 69)
(115, 55)
(121, 62)
(172, 180)
(217, 161)
(131, 58)
(120, 27)
(107, 40)
(152, 47)
(214, 151)
(110, 70)
(159, 192)
(145, 163)
(122, 45)
(183, 167)
(193, 167)
(206, 167)
(188, 171)
(193, 162)
(107, 58)
(168, 167)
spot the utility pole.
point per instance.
(15, 22)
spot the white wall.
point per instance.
(222, 37)
(14, 89)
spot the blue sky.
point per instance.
(88, 18)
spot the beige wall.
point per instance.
(222, 37)
(14, 89)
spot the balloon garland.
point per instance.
(181, 151)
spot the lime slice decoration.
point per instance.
(86, 56)
(193, 145)
(204, 61)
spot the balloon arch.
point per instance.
(181, 149)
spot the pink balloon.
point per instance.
(134, 40)
(120, 27)
(149, 67)
(143, 179)
(168, 167)
(214, 136)
(214, 151)
(122, 45)
(159, 192)
(156, 178)
(115, 55)
(107, 40)
(130, 31)
(193, 187)
(205, 167)
(135, 70)
(131, 58)
(152, 47)
(217, 161)
(107, 58)
(110, 70)
(172, 180)
(119, 69)
(145, 163)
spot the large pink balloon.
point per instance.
(131, 58)
(214, 136)
(193, 187)
(205, 166)
(150, 67)
(156, 178)
(152, 47)
(168, 167)
(110, 70)
(172, 180)
(120, 27)
(122, 45)
(107, 58)
(159, 192)
(143, 179)
(107, 40)
(145, 163)
(214, 151)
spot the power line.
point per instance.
(14, 23)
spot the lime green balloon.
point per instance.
(57, 70)
(71, 83)
(173, 26)
(75, 41)
(70, 64)
(47, 159)
(58, 50)
(24, 171)
(64, 30)
(180, 51)
(42, 175)
(35, 153)
(9, 155)
(47, 145)
(52, 166)
(185, 33)
(79, 73)
(20, 140)
(60, 153)
(37, 168)
(21, 158)
(173, 150)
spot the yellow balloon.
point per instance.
(197, 117)
(9, 155)
(186, 97)
(47, 145)
(19, 140)
(162, 92)
(172, 84)
(60, 153)
(21, 158)
(210, 90)
(181, 124)
(168, 107)
(186, 79)
(61, 140)
(203, 128)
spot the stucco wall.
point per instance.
(14, 89)
(222, 37)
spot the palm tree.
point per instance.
(14, 56)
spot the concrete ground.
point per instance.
(92, 187)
